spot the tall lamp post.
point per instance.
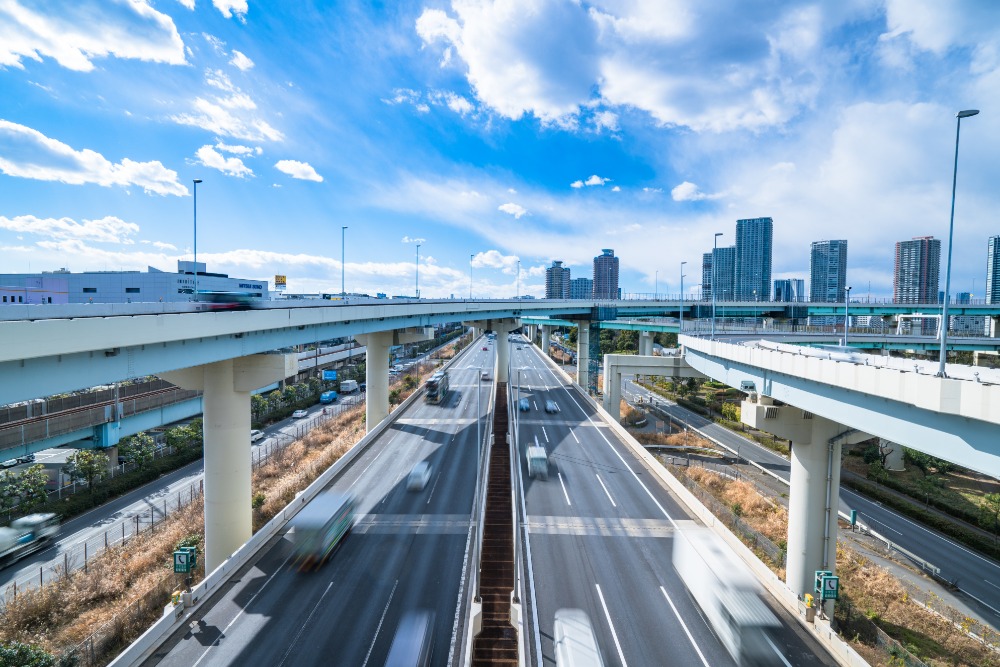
(715, 281)
(417, 278)
(847, 315)
(680, 310)
(196, 182)
(951, 235)
(343, 231)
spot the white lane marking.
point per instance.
(605, 490)
(684, 625)
(434, 486)
(545, 434)
(242, 609)
(622, 459)
(777, 651)
(380, 622)
(534, 404)
(991, 583)
(362, 473)
(614, 635)
(295, 640)
(564, 489)
(574, 435)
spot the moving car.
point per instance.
(413, 643)
(256, 434)
(551, 406)
(485, 349)
(523, 405)
(418, 477)
(299, 414)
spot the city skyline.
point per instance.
(452, 127)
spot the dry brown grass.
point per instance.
(765, 516)
(686, 439)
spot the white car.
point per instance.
(418, 477)
(299, 414)
(256, 434)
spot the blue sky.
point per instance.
(510, 130)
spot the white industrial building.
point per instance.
(153, 285)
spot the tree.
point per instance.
(138, 449)
(16, 654)
(31, 485)
(991, 512)
(731, 412)
(9, 493)
(88, 465)
(627, 341)
(572, 334)
(258, 406)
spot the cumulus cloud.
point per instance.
(82, 31)
(410, 239)
(512, 209)
(300, 170)
(616, 189)
(240, 61)
(680, 66)
(232, 166)
(688, 191)
(231, 8)
(105, 230)
(238, 150)
(230, 113)
(576, 184)
(27, 153)
(593, 180)
(494, 259)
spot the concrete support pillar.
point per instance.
(227, 464)
(376, 376)
(994, 326)
(545, 339)
(646, 343)
(227, 385)
(583, 353)
(895, 459)
(612, 388)
(503, 353)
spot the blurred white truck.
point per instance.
(27, 535)
(728, 595)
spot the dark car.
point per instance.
(523, 405)
(551, 406)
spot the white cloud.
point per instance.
(188, 4)
(105, 230)
(576, 184)
(494, 259)
(80, 32)
(616, 189)
(231, 114)
(240, 61)
(596, 180)
(685, 63)
(300, 170)
(41, 158)
(163, 246)
(513, 209)
(231, 8)
(458, 104)
(233, 166)
(688, 191)
(652, 190)
(409, 239)
(938, 26)
(512, 191)
(238, 150)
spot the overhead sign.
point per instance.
(280, 282)
(329, 375)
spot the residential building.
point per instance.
(993, 270)
(581, 288)
(557, 281)
(790, 290)
(606, 275)
(918, 263)
(827, 271)
(752, 264)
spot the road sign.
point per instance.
(182, 563)
(329, 375)
(827, 585)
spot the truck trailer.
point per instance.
(27, 535)
(729, 596)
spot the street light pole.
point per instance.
(951, 235)
(847, 317)
(417, 278)
(680, 310)
(343, 291)
(196, 182)
(715, 280)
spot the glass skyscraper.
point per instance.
(557, 281)
(606, 275)
(827, 271)
(753, 259)
(918, 263)
(993, 270)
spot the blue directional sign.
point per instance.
(329, 375)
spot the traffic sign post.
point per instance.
(185, 560)
(827, 585)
